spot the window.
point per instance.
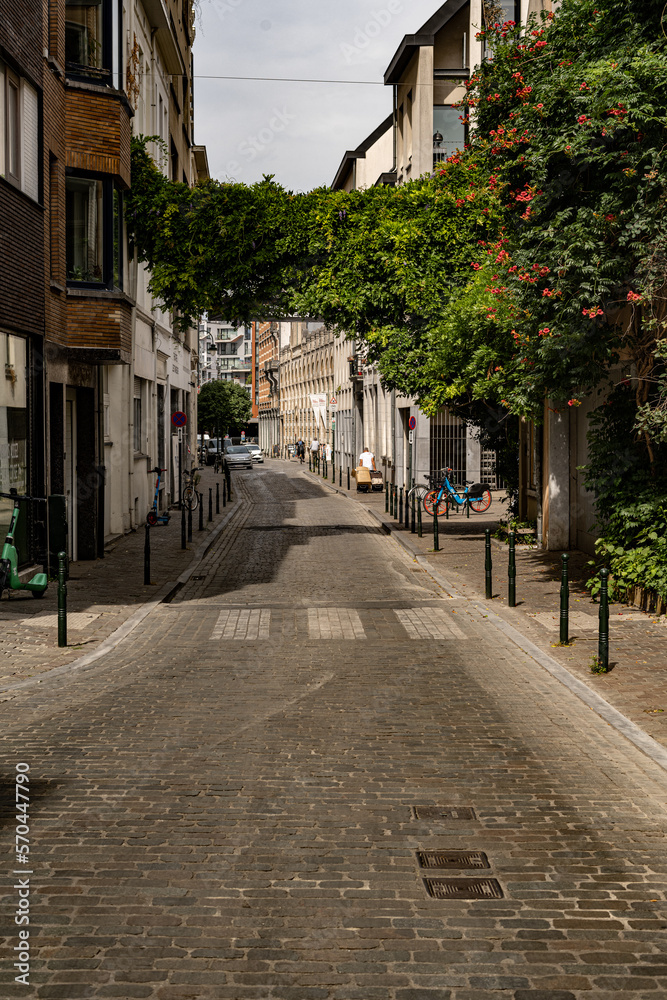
(497, 12)
(138, 416)
(19, 132)
(448, 131)
(92, 39)
(13, 423)
(94, 232)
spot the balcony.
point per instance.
(234, 364)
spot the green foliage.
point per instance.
(222, 406)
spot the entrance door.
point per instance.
(70, 471)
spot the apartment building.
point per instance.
(306, 382)
(268, 399)
(22, 288)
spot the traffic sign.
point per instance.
(333, 403)
(412, 423)
(179, 419)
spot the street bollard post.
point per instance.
(447, 507)
(386, 498)
(488, 566)
(333, 470)
(190, 523)
(564, 602)
(210, 504)
(340, 475)
(603, 638)
(436, 536)
(467, 503)
(400, 505)
(413, 527)
(62, 599)
(419, 521)
(201, 511)
(348, 477)
(511, 573)
(407, 510)
(395, 502)
(228, 477)
(147, 554)
(217, 498)
(183, 534)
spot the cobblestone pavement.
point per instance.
(102, 594)
(637, 682)
(247, 797)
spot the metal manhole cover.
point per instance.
(444, 812)
(463, 888)
(452, 859)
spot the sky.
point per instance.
(298, 132)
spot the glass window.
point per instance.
(84, 36)
(19, 132)
(13, 422)
(93, 31)
(94, 232)
(85, 230)
(448, 131)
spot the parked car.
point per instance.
(238, 457)
(256, 452)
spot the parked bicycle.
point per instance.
(476, 496)
(189, 496)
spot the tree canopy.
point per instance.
(222, 406)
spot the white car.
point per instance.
(256, 452)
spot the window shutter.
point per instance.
(137, 387)
(30, 143)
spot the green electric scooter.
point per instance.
(9, 577)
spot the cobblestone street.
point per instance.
(316, 774)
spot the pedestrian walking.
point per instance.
(301, 450)
(367, 460)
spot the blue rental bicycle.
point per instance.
(476, 495)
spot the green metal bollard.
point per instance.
(400, 505)
(190, 524)
(603, 638)
(564, 602)
(419, 522)
(340, 475)
(467, 503)
(217, 498)
(201, 509)
(228, 477)
(348, 477)
(413, 527)
(147, 555)
(407, 511)
(436, 536)
(183, 534)
(333, 470)
(511, 573)
(310, 461)
(224, 493)
(210, 504)
(62, 599)
(488, 566)
(386, 498)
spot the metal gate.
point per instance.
(448, 445)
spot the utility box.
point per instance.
(57, 532)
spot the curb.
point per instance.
(163, 596)
(632, 732)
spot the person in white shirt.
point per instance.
(315, 446)
(367, 459)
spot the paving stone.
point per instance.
(234, 818)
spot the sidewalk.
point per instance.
(636, 684)
(103, 594)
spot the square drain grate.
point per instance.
(463, 888)
(444, 812)
(452, 859)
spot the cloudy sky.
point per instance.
(296, 131)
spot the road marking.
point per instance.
(429, 623)
(242, 624)
(335, 623)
